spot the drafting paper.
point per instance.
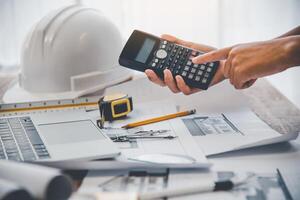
(263, 186)
(218, 100)
(227, 131)
(183, 145)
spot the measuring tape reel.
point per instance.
(114, 106)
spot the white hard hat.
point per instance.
(69, 53)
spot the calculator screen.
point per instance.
(145, 50)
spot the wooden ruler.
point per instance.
(87, 103)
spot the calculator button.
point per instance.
(163, 46)
(165, 42)
(206, 75)
(197, 78)
(211, 64)
(153, 64)
(208, 69)
(200, 72)
(196, 65)
(186, 68)
(184, 73)
(193, 70)
(191, 76)
(202, 67)
(161, 54)
(189, 63)
(204, 80)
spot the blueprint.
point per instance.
(208, 125)
(264, 186)
(219, 132)
(182, 145)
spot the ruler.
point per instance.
(87, 103)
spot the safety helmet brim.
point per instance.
(17, 94)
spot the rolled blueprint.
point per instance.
(11, 191)
(41, 182)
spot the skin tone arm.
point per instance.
(295, 31)
(243, 63)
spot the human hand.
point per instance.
(245, 63)
(178, 84)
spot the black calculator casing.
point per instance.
(145, 51)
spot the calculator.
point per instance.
(145, 51)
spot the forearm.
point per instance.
(293, 50)
(295, 31)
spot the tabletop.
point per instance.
(267, 102)
(264, 99)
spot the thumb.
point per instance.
(212, 56)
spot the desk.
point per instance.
(264, 99)
(270, 105)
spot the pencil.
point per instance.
(159, 119)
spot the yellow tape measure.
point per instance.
(114, 107)
(88, 103)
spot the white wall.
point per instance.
(246, 21)
(214, 22)
(16, 19)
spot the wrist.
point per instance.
(292, 51)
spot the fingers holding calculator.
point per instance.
(168, 61)
(176, 82)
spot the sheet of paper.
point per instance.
(232, 130)
(218, 100)
(183, 145)
(263, 186)
(141, 180)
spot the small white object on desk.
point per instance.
(161, 158)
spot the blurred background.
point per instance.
(217, 23)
